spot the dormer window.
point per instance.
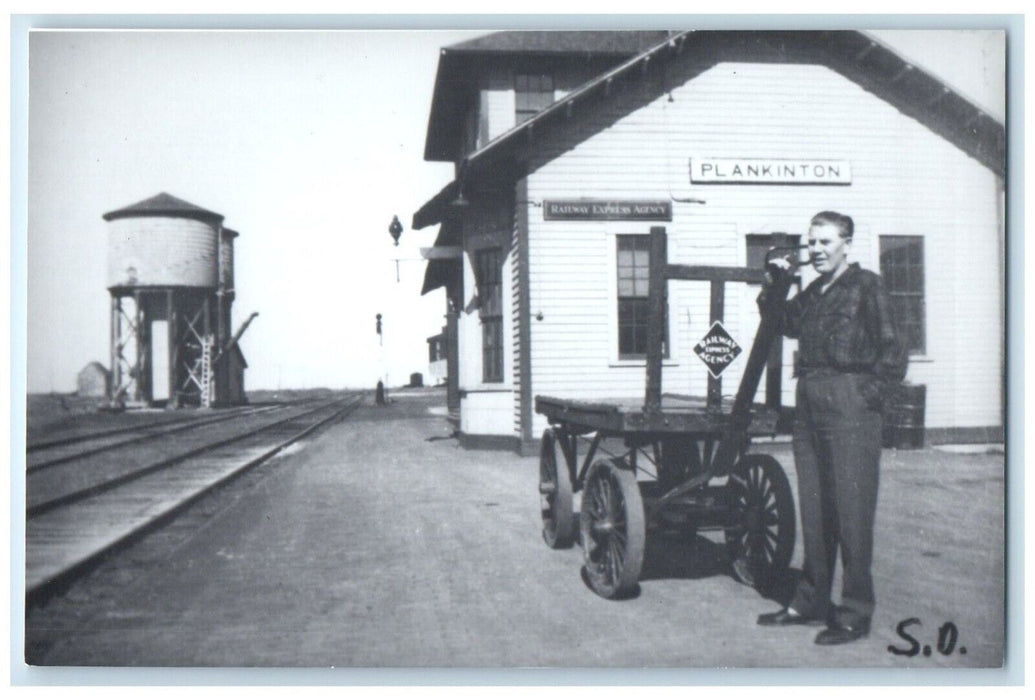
(532, 94)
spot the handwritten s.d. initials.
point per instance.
(914, 647)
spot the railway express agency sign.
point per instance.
(606, 210)
(769, 171)
(717, 349)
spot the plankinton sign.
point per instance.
(769, 171)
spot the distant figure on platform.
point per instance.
(849, 353)
(380, 393)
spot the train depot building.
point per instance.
(570, 146)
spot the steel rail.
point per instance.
(149, 432)
(37, 591)
(109, 484)
(45, 444)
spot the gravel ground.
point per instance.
(380, 543)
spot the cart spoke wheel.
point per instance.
(761, 541)
(613, 531)
(555, 493)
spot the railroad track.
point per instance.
(159, 419)
(59, 451)
(78, 511)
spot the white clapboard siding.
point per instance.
(906, 180)
(519, 351)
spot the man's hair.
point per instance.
(844, 223)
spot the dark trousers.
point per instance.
(837, 441)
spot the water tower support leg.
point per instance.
(210, 382)
(116, 333)
(139, 338)
(170, 315)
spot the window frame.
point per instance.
(490, 259)
(793, 240)
(890, 275)
(533, 99)
(615, 246)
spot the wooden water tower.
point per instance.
(170, 275)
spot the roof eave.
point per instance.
(168, 213)
(434, 210)
(438, 137)
(992, 157)
(980, 136)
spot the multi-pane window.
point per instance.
(532, 94)
(436, 348)
(633, 280)
(488, 263)
(902, 267)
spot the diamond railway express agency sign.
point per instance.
(717, 349)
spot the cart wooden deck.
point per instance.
(689, 416)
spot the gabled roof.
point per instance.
(854, 54)
(581, 42)
(164, 204)
(459, 63)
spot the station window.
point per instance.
(532, 94)
(902, 267)
(436, 349)
(758, 244)
(633, 279)
(488, 263)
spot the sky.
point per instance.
(308, 143)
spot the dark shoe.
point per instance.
(842, 633)
(785, 617)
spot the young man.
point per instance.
(848, 353)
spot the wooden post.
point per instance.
(452, 356)
(656, 291)
(718, 310)
(213, 384)
(116, 371)
(524, 368)
(144, 340)
(138, 334)
(170, 317)
(734, 437)
(773, 369)
(774, 363)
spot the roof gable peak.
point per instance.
(164, 204)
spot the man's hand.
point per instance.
(782, 264)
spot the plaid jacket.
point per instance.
(847, 329)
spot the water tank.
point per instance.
(226, 260)
(163, 242)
